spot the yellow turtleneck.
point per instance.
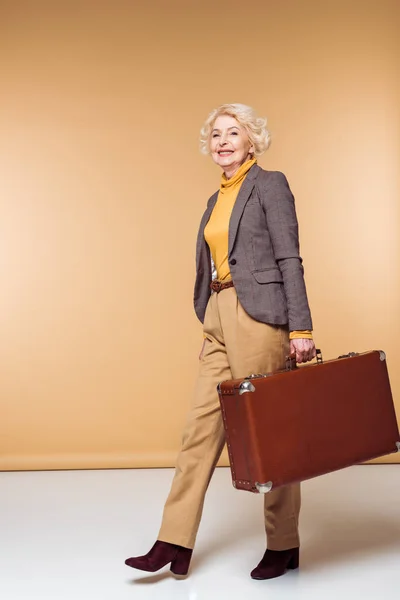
(217, 228)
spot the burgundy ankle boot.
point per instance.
(160, 555)
(275, 563)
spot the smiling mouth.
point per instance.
(225, 152)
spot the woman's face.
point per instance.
(229, 144)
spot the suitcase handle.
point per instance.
(291, 360)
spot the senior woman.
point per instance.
(250, 296)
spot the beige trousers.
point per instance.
(236, 345)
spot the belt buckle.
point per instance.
(217, 286)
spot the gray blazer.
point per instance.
(263, 253)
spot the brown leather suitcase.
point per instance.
(306, 421)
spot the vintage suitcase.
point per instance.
(306, 421)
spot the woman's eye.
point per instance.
(215, 135)
(234, 133)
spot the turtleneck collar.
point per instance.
(238, 176)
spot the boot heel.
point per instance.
(294, 561)
(181, 562)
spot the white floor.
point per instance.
(66, 534)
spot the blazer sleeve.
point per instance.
(279, 207)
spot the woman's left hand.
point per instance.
(304, 349)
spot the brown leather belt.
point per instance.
(217, 286)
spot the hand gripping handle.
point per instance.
(291, 360)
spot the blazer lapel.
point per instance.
(242, 197)
(201, 243)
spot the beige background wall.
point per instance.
(102, 189)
